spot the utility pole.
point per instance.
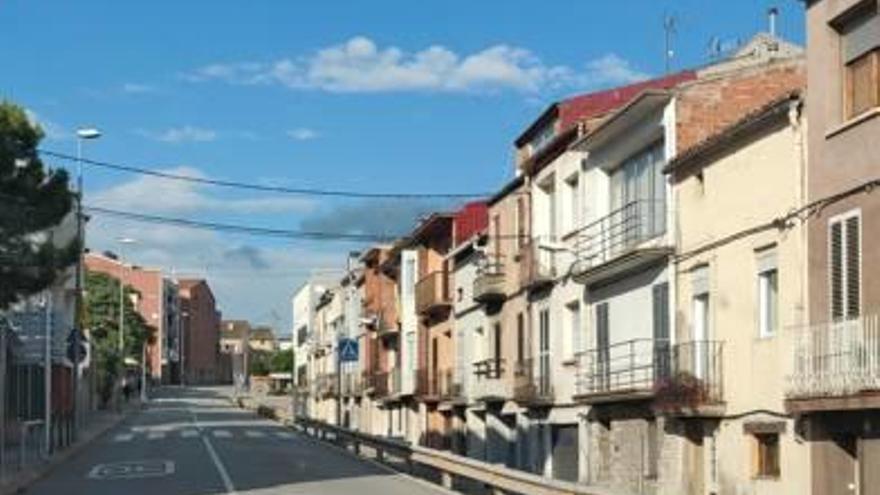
(47, 375)
(669, 28)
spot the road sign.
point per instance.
(77, 354)
(348, 350)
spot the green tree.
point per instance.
(102, 320)
(32, 200)
(282, 362)
(260, 363)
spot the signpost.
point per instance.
(346, 352)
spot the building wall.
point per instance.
(761, 180)
(842, 155)
(201, 323)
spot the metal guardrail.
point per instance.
(620, 231)
(836, 359)
(450, 466)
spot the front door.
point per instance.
(565, 452)
(544, 352)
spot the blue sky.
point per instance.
(391, 96)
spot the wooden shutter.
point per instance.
(853, 267)
(835, 268)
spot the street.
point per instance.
(192, 441)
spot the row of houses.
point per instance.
(672, 295)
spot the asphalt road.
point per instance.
(193, 442)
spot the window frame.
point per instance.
(862, 15)
(850, 112)
(766, 310)
(768, 456)
(842, 220)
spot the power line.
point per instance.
(240, 229)
(302, 191)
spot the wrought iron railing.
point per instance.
(620, 232)
(629, 366)
(490, 380)
(531, 384)
(694, 376)
(537, 266)
(836, 359)
(450, 385)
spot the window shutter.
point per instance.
(836, 269)
(853, 268)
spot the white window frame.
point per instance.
(842, 218)
(765, 330)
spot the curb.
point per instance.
(30, 477)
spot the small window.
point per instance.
(860, 49)
(574, 318)
(768, 304)
(767, 455)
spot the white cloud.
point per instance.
(140, 195)
(137, 88)
(303, 134)
(187, 133)
(359, 65)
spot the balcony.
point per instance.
(386, 326)
(836, 366)
(432, 293)
(537, 268)
(451, 389)
(490, 384)
(376, 384)
(489, 281)
(624, 240)
(428, 385)
(352, 384)
(692, 384)
(624, 371)
(530, 386)
(326, 385)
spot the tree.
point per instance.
(260, 363)
(282, 362)
(32, 200)
(102, 320)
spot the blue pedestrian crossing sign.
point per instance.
(348, 350)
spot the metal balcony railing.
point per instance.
(395, 385)
(352, 384)
(626, 368)
(432, 292)
(427, 384)
(451, 388)
(531, 385)
(836, 359)
(326, 384)
(489, 281)
(691, 377)
(490, 382)
(537, 266)
(619, 232)
(376, 383)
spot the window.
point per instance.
(520, 338)
(574, 318)
(572, 189)
(768, 293)
(496, 352)
(767, 455)
(543, 137)
(860, 44)
(844, 238)
(638, 192)
(520, 222)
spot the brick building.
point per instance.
(200, 322)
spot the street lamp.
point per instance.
(82, 134)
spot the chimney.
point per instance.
(772, 14)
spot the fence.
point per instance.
(620, 231)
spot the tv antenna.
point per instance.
(670, 29)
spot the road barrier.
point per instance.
(451, 467)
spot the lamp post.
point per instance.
(82, 135)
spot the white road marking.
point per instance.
(189, 433)
(123, 437)
(156, 435)
(221, 434)
(131, 470)
(221, 469)
(286, 435)
(254, 434)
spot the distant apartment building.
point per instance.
(836, 375)
(200, 327)
(158, 304)
(262, 339)
(233, 357)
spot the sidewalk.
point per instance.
(96, 424)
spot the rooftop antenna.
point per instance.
(669, 27)
(773, 14)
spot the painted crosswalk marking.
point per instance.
(286, 435)
(123, 437)
(254, 434)
(222, 434)
(189, 433)
(156, 435)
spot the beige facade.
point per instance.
(741, 289)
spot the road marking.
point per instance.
(221, 434)
(131, 470)
(123, 437)
(189, 433)
(221, 469)
(254, 434)
(285, 435)
(156, 435)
